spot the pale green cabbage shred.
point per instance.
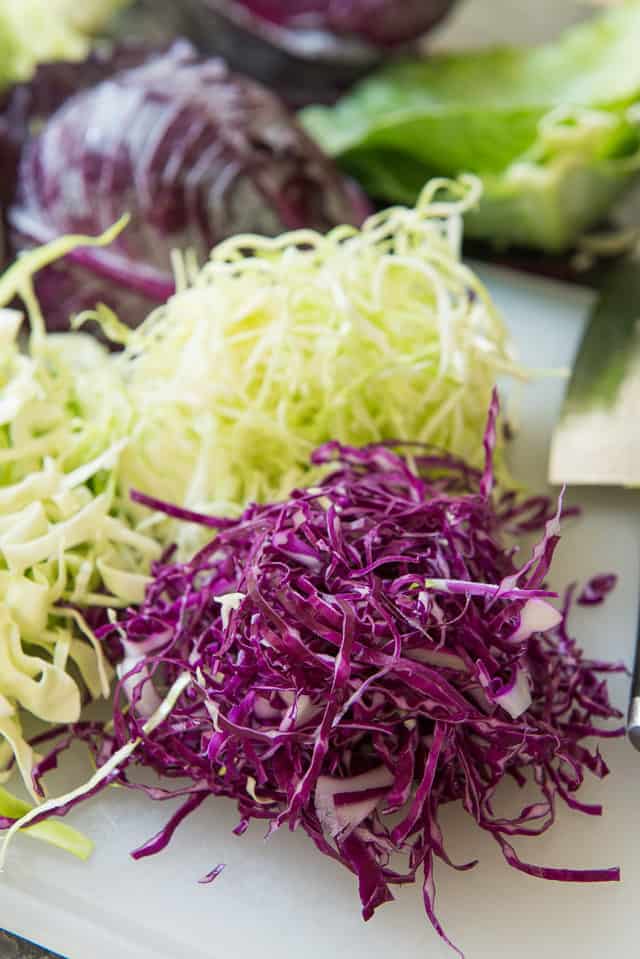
(218, 399)
(55, 833)
(37, 31)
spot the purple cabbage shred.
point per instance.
(597, 589)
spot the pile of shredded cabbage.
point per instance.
(273, 348)
(279, 345)
(66, 537)
(349, 661)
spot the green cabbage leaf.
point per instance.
(552, 131)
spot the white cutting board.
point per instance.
(284, 899)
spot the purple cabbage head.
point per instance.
(192, 151)
(26, 107)
(308, 50)
(382, 23)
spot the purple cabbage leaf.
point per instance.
(192, 151)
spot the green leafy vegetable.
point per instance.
(553, 131)
(35, 31)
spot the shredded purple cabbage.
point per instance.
(358, 656)
(597, 589)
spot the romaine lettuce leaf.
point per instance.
(553, 131)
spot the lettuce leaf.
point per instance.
(553, 131)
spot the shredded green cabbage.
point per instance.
(274, 347)
(279, 345)
(34, 31)
(56, 833)
(103, 772)
(65, 529)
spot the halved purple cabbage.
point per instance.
(356, 657)
(310, 51)
(26, 107)
(383, 23)
(192, 151)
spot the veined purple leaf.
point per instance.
(193, 152)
